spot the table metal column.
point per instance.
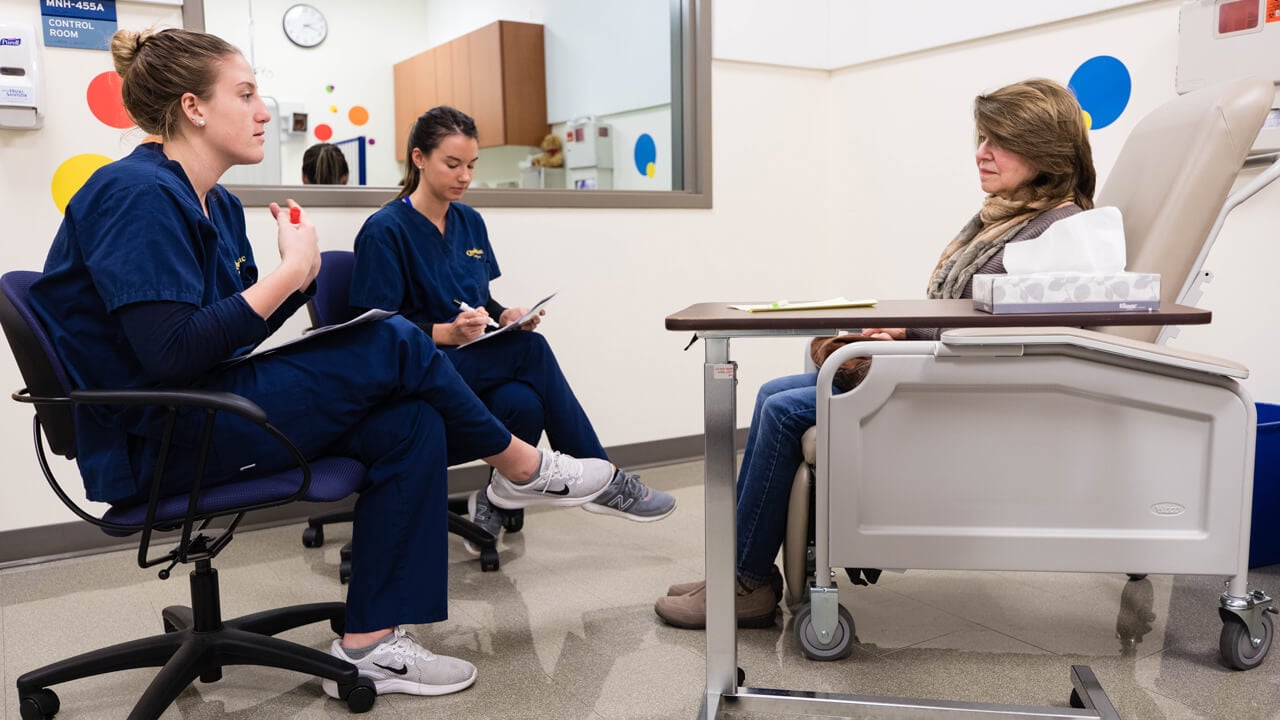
(720, 384)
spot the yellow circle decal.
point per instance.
(650, 169)
(72, 174)
(1088, 120)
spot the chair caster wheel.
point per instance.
(514, 521)
(489, 559)
(313, 537)
(1133, 577)
(841, 643)
(361, 697)
(338, 625)
(1237, 650)
(742, 677)
(344, 571)
(40, 705)
(1075, 700)
(345, 552)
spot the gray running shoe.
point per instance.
(401, 665)
(627, 497)
(485, 516)
(562, 481)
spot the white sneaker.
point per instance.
(400, 665)
(562, 481)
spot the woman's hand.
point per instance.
(511, 315)
(298, 243)
(885, 333)
(466, 326)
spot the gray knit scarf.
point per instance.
(979, 240)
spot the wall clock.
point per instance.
(305, 26)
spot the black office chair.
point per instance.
(330, 306)
(196, 642)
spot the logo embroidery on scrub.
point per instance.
(240, 262)
(475, 253)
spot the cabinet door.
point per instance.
(485, 54)
(415, 93)
(524, 83)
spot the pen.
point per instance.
(467, 308)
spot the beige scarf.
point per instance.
(979, 240)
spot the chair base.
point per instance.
(198, 644)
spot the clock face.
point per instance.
(305, 25)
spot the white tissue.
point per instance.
(1090, 241)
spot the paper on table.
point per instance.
(523, 319)
(367, 316)
(783, 305)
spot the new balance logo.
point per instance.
(621, 502)
(398, 671)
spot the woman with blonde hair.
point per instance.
(1036, 166)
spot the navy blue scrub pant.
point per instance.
(383, 394)
(518, 378)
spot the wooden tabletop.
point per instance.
(915, 313)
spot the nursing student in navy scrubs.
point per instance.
(428, 256)
(151, 281)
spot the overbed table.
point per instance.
(716, 324)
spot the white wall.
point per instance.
(825, 184)
(298, 77)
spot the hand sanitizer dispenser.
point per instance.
(20, 104)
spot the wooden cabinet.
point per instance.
(496, 74)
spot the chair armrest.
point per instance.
(1093, 341)
(207, 399)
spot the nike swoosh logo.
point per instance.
(398, 671)
(561, 491)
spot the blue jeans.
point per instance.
(785, 408)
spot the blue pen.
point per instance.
(467, 308)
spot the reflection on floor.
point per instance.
(566, 630)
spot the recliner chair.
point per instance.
(197, 642)
(330, 306)
(1112, 453)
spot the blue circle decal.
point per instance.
(646, 155)
(1102, 86)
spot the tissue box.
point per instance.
(1067, 292)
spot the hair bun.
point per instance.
(125, 46)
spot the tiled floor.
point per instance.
(566, 630)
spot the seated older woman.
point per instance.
(1036, 166)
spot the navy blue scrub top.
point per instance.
(404, 264)
(134, 233)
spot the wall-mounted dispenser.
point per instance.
(20, 102)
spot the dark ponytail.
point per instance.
(429, 130)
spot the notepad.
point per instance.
(511, 326)
(784, 305)
(309, 335)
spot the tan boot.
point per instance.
(755, 608)
(684, 588)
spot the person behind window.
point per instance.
(151, 281)
(324, 164)
(1036, 166)
(427, 256)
